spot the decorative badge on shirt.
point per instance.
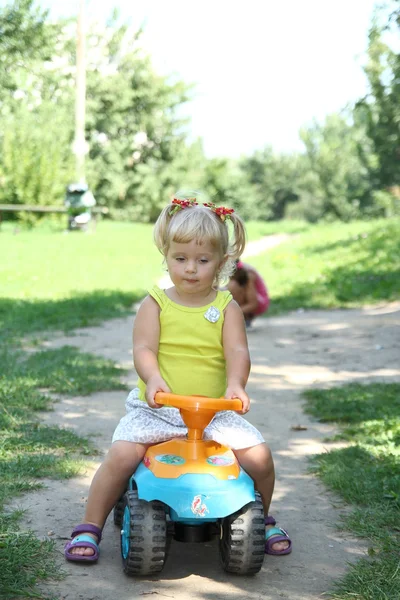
(212, 314)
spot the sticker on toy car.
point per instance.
(198, 506)
(170, 459)
(219, 460)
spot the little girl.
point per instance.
(189, 339)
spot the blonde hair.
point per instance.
(201, 223)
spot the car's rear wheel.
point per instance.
(242, 539)
(143, 535)
(119, 512)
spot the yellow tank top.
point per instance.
(190, 354)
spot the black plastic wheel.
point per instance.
(143, 535)
(119, 512)
(242, 539)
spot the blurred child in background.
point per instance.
(249, 290)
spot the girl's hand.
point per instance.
(237, 391)
(155, 384)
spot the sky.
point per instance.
(262, 69)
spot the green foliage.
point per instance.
(139, 149)
(351, 166)
(35, 158)
(133, 126)
(330, 181)
(341, 182)
(35, 141)
(226, 184)
(156, 181)
(137, 138)
(366, 475)
(388, 202)
(276, 180)
(380, 109)
(25, 39)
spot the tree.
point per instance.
(341, 179)
(133, 122)
(25, 39)
(35, 156)
(379, 110)
(35, 159)
(276, 181)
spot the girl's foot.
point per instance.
(84, 545)
(277, 540)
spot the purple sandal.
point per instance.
(83, 541)
(274, 535)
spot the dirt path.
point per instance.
(265, 243)
(289, 354)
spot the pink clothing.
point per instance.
(262, 292)
(262, 295)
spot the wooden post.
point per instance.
(80, 146)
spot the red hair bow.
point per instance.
(221, 211)
(181, 204)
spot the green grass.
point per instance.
(24, 560)
(332, 266)
(257, 229)
(53, 280)
(67, 370)
(30, 451)
(63, 280)
(46, 264)
(366, 474)
(119, 258)
(22, 317)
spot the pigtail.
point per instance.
(238, 243)
(160, 232)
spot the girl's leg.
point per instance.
(109, 483)
(257, 462)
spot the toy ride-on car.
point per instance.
(191, 489)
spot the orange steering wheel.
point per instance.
(198, 402)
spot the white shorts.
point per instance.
(145, 425)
